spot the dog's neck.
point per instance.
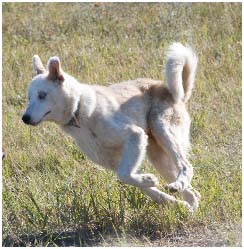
(85, 106)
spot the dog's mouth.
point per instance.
(46, 114)
(38, 122)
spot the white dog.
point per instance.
(116, 125)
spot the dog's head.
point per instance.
(49, 99)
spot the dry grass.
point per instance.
(47, 193)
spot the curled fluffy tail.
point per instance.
(180, 71)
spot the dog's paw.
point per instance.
(190, 208)
(149, 180)
(175, 187)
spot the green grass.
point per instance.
(53, 195)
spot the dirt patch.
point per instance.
(217, 235)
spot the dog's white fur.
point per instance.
(116, 125)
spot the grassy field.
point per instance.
(52, 194)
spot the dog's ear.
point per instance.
(38, 67)
(55, 70)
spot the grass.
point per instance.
(52, 194)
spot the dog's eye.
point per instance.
(42, 95)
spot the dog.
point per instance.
(116, 125)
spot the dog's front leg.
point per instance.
(134, 150)
(163, 198)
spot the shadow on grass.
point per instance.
(87, 237)
(79, 237)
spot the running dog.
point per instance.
(116, 125)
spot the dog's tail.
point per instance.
(180, 71)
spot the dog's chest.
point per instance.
(95, 146)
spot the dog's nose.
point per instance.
(26, 118)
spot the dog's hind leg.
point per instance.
(167, 140)
(169, 171)
(133, 153)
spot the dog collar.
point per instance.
(74, 120)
